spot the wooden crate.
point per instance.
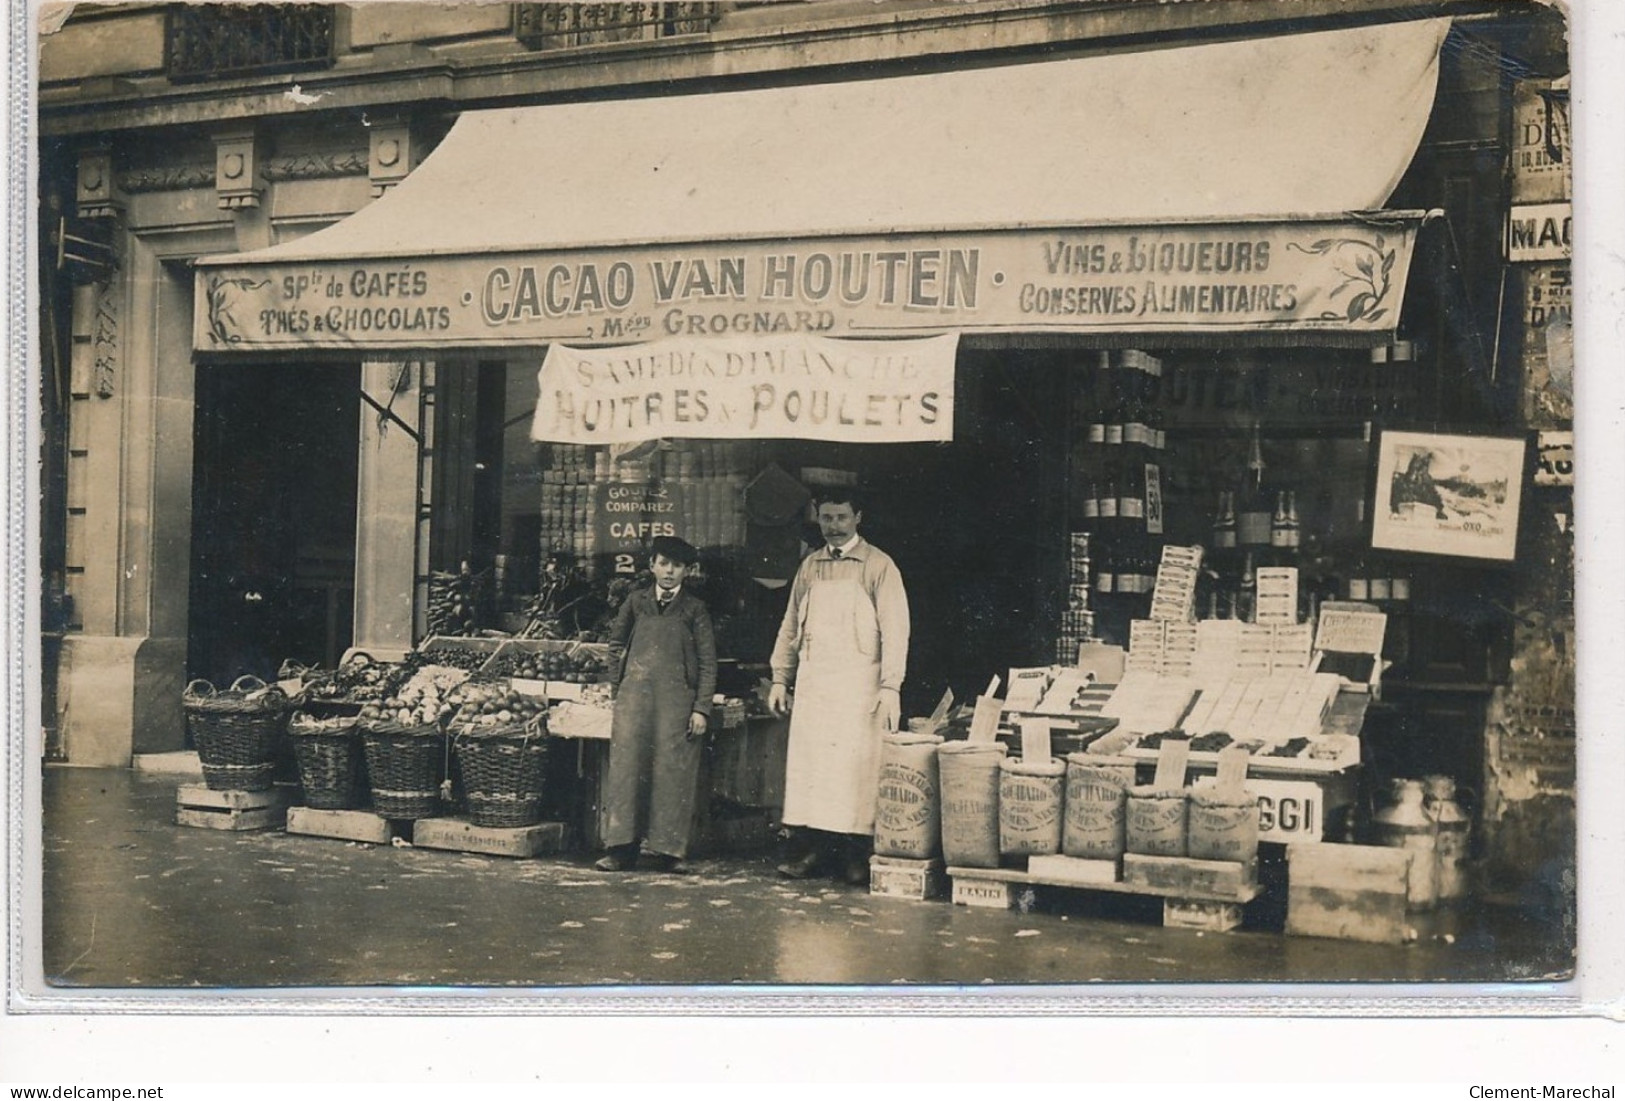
(1182, 877)
(1010, 888)
(1348, 892)
(341, 825)
(202, 806)
(1073, 869)
(1199, 913)
(993, 894)
(461, 835)
(899, 877)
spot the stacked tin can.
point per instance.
(1078, 620)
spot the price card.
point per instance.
(1232, 769)
(1035, 740)
(984, 723)
(1172, 757)
(1351, 629)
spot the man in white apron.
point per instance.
(844, 645)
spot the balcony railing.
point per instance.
(558, 26)
(212, 41)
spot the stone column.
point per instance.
(386, 540)
(129, 514)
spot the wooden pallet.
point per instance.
(202, 806)
(899, 877)
(1197, 894)
(341, 825)
(461, 835)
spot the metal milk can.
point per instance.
(1454, 828)
(1406, 824)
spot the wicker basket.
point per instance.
(502, 771)
(405, 765)
(237, 731)
(329, 756)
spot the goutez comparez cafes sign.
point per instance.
(1342, 275)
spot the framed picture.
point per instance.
(1449, 495)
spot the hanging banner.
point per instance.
(792, 387)
(1313, 275)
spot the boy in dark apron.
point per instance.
(666, 672)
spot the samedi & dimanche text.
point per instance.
(610, 389)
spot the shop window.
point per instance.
(560, 26)
(212, 41)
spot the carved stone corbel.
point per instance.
(96, 192)
(237, 158)
(392, 153)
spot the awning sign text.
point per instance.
(1342, 276)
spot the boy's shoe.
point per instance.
(617, 860)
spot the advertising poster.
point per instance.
(1450, 495)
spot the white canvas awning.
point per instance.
(1272, 129)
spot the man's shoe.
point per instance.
(617, 860)
(803, 867)
(660, 862)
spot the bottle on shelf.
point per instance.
(1131, 496)
(1294, 527)
(1247, 591)
(1359, 587)
(1113, 402)
(1278, 522)
(1224, 522)
(1108, 500)
(1135, 429)
(1091, 500)
(1400, 588)
(1379, 588)
(1105, 571)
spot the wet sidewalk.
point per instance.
(134, 902)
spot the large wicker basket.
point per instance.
(237, 731)
(329, 756)
(502, 772)
(405, 765)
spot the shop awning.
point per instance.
(1042, 196)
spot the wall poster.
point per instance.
(1450, 495)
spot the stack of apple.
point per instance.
(359, 680)
(418, 703)
(484, 705)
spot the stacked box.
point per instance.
(1147, 640)
(1255, 645)
(1078, 620)
(1293, 647)
(1277, 599)
(1173, 598)
(1179, 649)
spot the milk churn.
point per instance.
(1406, 824)
(1454, 826)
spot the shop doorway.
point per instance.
(976, 528)
(273, 518)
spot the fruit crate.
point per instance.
(548, 667)
(468, 654)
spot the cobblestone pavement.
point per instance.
(133, 902)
